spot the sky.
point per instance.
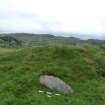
(54, 16)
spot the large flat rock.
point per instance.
(55, 83)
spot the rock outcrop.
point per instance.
(55, 83)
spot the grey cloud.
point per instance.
(25, 22)
(17, 21)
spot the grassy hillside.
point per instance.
(6, 50)
(40, 39)
(76, 65)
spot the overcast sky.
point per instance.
(53, 16)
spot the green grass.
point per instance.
(6, 50)
(76, 65)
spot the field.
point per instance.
(6, 50)
(79, 66)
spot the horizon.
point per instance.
(71, 35)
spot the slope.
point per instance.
(76, 65)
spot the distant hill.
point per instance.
(9, 41)
(31, 39)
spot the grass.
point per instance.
(76, 65)
(6, 50)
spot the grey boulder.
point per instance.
(55, 83)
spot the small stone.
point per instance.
(40, 91)
(49, 93)
(57, 94)
(49, 96)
